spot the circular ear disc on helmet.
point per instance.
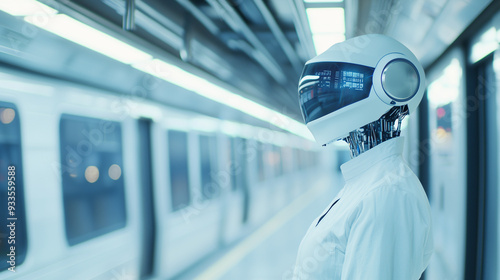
(400, 80)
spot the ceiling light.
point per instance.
(325, 20)
(91, 174)
(323, 41)
(7, 115)
(114, 172)
(327, 27)
(82, 34)
(25, 8)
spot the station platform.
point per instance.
(269, 252)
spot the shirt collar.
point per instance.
(360, 164)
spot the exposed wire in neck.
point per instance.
(366, 137)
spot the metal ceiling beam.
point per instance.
(151, 21)
(159, 31)
(212, 27)
(200, 16)
(159, 17)
(128, 16)
(238, 25)
(302, 27)
(281, 38)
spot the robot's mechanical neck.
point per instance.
(374, 133)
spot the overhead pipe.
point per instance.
(128, 16)
(301, 24)
(155, 15)
(212, 27)
(237, 24)
(282, 40)
(200, 16)
(151, 21)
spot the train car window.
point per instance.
(92, 177)
(13, 233)
(278, 161)
(233, 165)
(272, 159)
(261, 161)
(208, 161)
(287, 159)
(179, 171)
(238, 163)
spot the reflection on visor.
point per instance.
(328, 86)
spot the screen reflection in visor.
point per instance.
(328, 86)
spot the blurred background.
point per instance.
(147, 139)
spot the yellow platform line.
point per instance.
(234, 256)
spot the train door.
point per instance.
(487, 88)
(495, 171)
(482, 182)
(147, 202)
(236, 202)
(482, 220)
(445, 148)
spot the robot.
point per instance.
(379, 226)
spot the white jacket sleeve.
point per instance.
(388, 237)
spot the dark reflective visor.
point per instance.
(328, 86)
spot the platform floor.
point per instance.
(268, 252)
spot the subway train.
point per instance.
(111, 170)
(84, 165)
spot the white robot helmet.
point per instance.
(356, 82)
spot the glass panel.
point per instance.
(233, 163)
(329, 86)
(261, 161)
(208, 161)
(238, 163)
(276, 161)
(12, 212)
(179, 172)
(92, 177)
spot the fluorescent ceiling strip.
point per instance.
(179, 77)
(327, 27)
(324, 41)
(26, 8)
(68, 28)
(325, 20)
(82, 34)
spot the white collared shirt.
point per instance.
(379, 226)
